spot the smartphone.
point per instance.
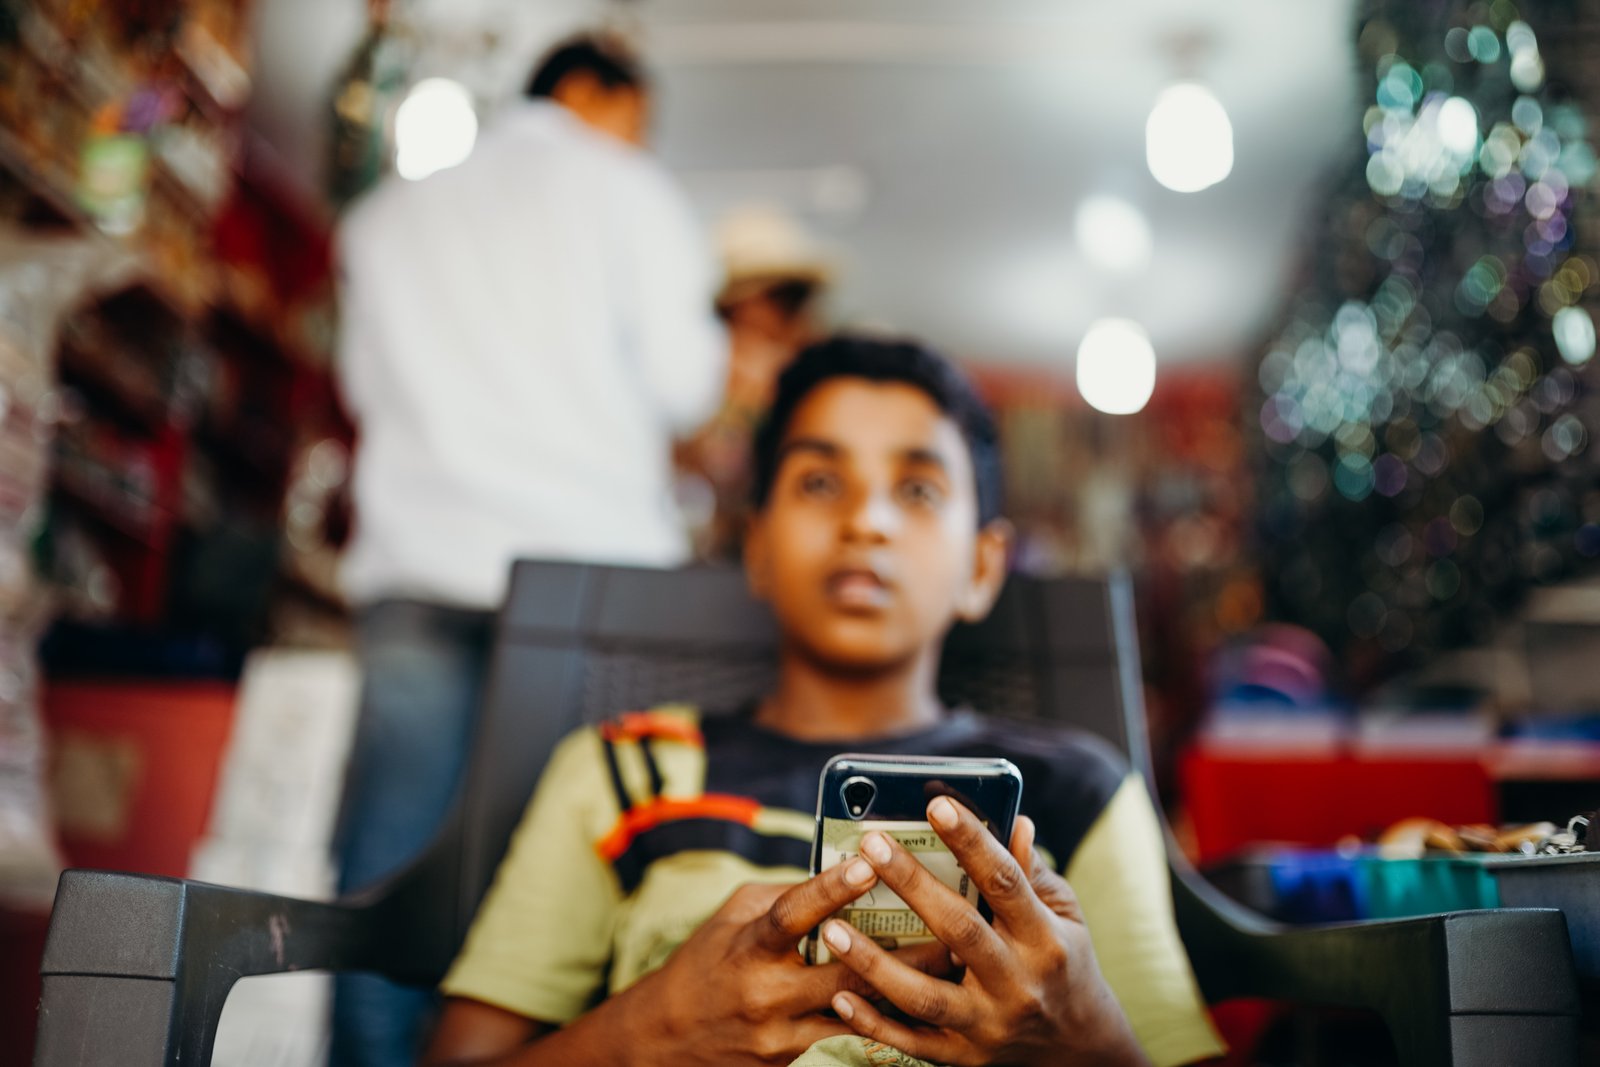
(861, 793)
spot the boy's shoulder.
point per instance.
(1057, 755)
(639, 756)
(1058, 745)
(1069, 777)
(665, 722)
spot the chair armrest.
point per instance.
(1437, 980)
(137, 967)
(1499, 960)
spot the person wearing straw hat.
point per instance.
(775, 277)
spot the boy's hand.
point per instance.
(1032, 992)
(738, 991)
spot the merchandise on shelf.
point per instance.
(186, 394)
(37, 281)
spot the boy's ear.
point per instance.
(757, 557)
(990, 553)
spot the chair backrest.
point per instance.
(576, 643)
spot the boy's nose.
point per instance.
(870, 517)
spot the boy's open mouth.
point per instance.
(858, 588)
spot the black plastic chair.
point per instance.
(137, 967)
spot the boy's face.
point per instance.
(868, 547)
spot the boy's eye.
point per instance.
(818, 483)
(920, 492)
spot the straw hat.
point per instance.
(761, 245)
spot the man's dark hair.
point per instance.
(605, 59)
(791, 296)
(882, 360)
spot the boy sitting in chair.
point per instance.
(652, 901)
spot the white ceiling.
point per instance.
(938, 147)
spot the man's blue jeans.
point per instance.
(423, 673)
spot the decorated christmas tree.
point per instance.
(1427, 410)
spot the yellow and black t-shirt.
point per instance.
(640, 829)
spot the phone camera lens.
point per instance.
(858, 794)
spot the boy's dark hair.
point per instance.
(605, 58)
(882, 360)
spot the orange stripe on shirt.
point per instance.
(636, 725)
(641, 817)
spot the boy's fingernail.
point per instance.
(837, 937)
(857, 872)
(942, 813)
(841, 1005)
(876, 848)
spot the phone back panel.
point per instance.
(901, 787)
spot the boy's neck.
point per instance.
(811, 702)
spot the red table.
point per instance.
(1236, 798)
(1241, 795)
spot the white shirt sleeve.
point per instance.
(354, 360)
(667, 282)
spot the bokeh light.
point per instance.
(1527, 65)
(1458, 126)
(1116, 367)
(1574, 334)
(1188, 139)
(1425, 401)
(1112, 233)
(435, 128)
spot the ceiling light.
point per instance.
(1112, 233)
(1116, 367)
(434, 128)
(1188, 139)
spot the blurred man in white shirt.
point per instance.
(522, 337)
